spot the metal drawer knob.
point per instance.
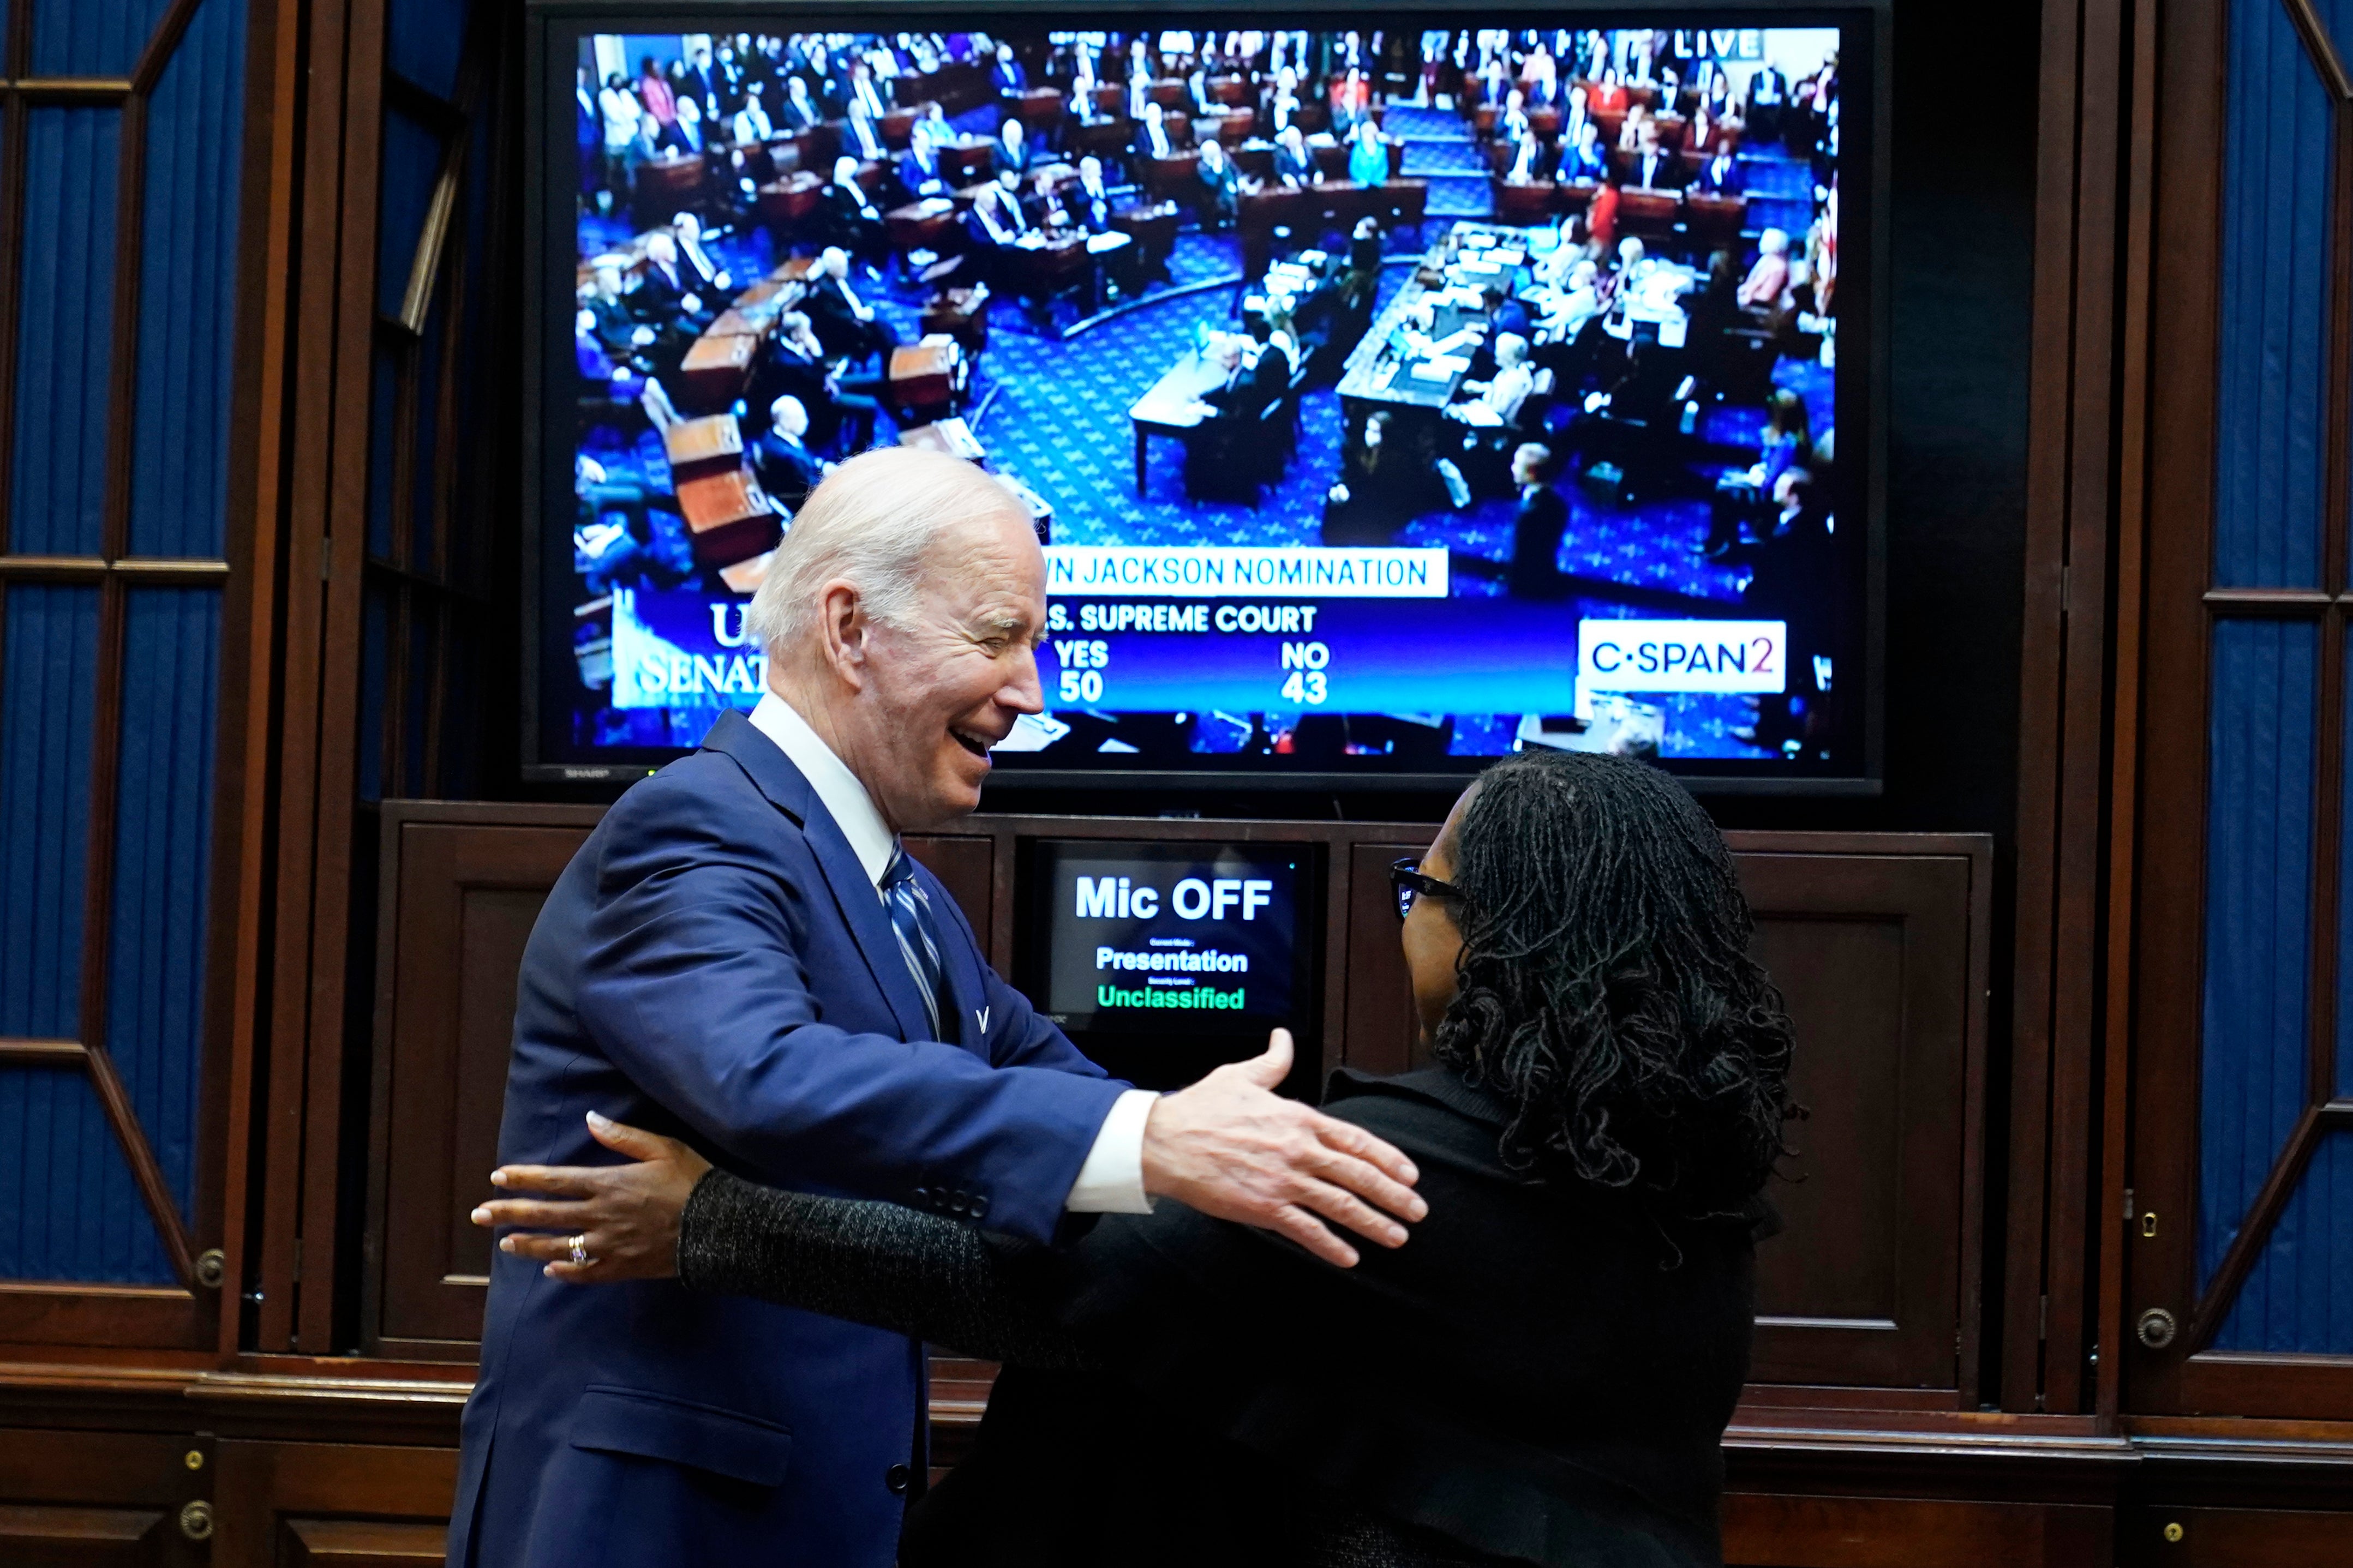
(211, 1266)
(197, 1520)
(2157, 1328)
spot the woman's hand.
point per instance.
(624, 1216)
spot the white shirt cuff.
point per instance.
(1112, 1181)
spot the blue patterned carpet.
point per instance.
(1054, 414)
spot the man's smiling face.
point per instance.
(947, 681)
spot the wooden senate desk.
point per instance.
(1174, 406)
(1153, 229)
(667, 185)
(920, 225)
(927, 378)
(1105, 138)
(1526, 202)
(962, 315)
(729, 517)
(950, 437)
(1046, 264)
(956, 87)
(698, 448)
(1174, 178)
(715, 369)
(1259, 214)
(967, 159)
(788, 200)
(1040, 109)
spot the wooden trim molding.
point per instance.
(42, 1054)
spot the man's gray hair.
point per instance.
(873, 523)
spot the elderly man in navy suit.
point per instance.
(743, 955)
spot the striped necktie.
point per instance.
(918, 932)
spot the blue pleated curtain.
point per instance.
(112, 572)
(2265, 808)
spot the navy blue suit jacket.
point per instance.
(715, 964)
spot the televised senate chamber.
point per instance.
(1004, 784)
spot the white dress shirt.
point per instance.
(1112, 1179)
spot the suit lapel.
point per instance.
(861, 907)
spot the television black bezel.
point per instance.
(551, 25)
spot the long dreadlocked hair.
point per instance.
(1606, 985)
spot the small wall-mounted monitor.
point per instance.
(1163, 961)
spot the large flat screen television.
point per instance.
(1392, 392)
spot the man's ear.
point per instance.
(846, 629)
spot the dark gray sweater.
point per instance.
(946, 1284)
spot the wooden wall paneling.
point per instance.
(54, 1537)
(77, 1498)
(311, 458)
(345, 555)
(2074, 1097)
(1379, 1029)
(458, 902)
(966, 863)
(234, 976)
(2114, 1228)
(1874, 956)
(285, 1505)
(2230, 1537)
(1803, 1531)
(1879, 941)
(361, 1543)
(2169, 932)
(2053, 1123)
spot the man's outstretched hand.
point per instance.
(1230, 1146)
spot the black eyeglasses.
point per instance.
(1407, 883)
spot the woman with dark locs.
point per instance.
(1541, 1373)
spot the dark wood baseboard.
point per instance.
(314, 1462)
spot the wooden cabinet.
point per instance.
(1877, 941)
(125, 1499)
(333, 1505)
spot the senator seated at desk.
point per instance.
(852, 221)
(786, 468)
(862, 138)
(1152, 138)
(1584, 158)
(796, 114)
(1221, 186)
(666, 293)
(1013, 154)
(1496, 401)
(995, 225)
(705, 275)
(1654, 166)
(751, 123)
(919, 169)
(1294, 166)
(845, 322)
